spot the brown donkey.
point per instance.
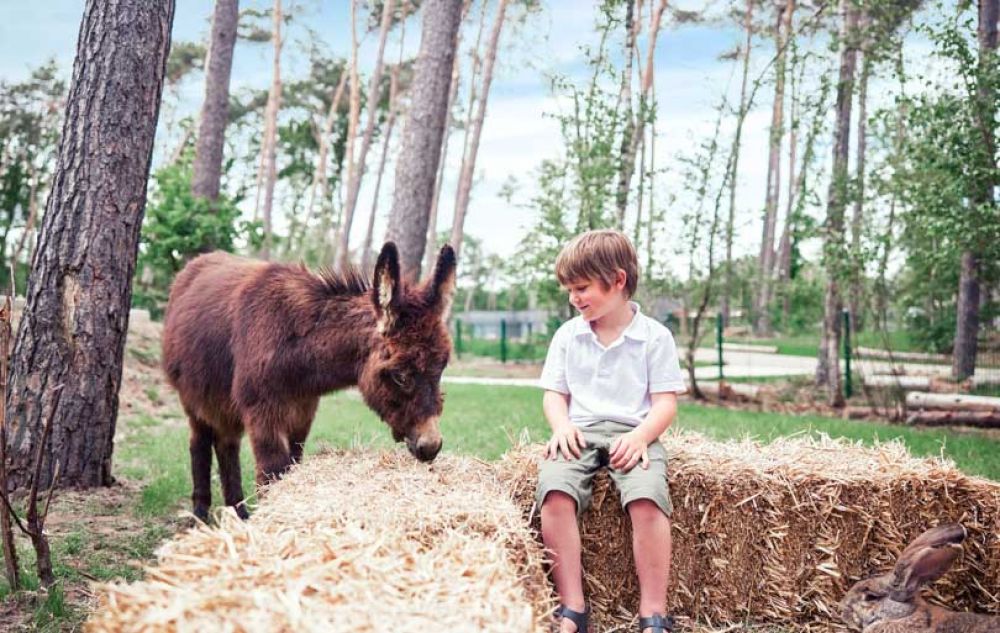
(252, 346)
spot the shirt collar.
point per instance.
(637, 330)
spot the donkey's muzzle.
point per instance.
(424, 440)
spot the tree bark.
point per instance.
(625, 100)
(765, 261)
(727, 286)
(72, 332)
(469, 164)
(828, 365)
(967, 326)
(354, 183)
(271, 135)
(421, 152)
(207, 170)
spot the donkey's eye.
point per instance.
(871, 597)
(400, 378)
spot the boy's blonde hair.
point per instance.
(599, 255)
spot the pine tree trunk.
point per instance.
(207, 172)
(784, 255)
(765, 261)
(354, 183)
(469, 164)
(72, 332)
(271, 136)
(439, 181)
(421, 152)
(967, 326)
(828, 361)
(727, 286)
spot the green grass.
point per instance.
(808, 344)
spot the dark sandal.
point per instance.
(576, 617)
(656, 622)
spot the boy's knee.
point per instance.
(557, 501)
(645, 510)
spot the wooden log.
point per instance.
(872, 352)
(952, 402)
(750, 347)
(898, 382)
(985, 419)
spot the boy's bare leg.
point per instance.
(651, 547)
(561, 535)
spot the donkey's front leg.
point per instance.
(270, 445)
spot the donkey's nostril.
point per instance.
(427, 451)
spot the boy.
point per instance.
(611, 380)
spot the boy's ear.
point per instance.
(621, 279)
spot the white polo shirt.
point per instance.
(613, 382)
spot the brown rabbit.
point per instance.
(890, 603)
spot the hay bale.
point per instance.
(777, 533)
(349, 542)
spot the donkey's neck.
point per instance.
(339, 344)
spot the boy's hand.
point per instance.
(627, 451)
(568, 439)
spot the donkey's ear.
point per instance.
(440, 287)
(926, 559)
(386, 287)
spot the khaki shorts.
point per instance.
(575, 477)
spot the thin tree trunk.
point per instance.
(856, 300)
(452, 93)
(354, 115)
(464, 191)
(72, 332)
(727, 289)
(765, 261)
(271, 135)
(828, 365)
(207, 171)
(319, 180)
(625, 99)
(474, 66)
(354, 182)
(417, 166)
(882, 290)
(967, 326)
(785, 242)
(29, 225)
(636, 132)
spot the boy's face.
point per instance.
(593, 299)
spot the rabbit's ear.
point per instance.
(926, 559)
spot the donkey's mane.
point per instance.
(349, 282)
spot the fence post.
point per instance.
(458, 338)
(503, 340)
(848, 387)
(718, 340)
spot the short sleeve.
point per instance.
(663, 365)
(554, 372)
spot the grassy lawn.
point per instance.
(481, 421)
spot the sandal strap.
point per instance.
(657, 622)
(579, 618)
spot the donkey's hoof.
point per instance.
(242, 512)
(201, 513)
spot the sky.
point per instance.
(519, 131)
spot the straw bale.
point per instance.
(777, 533)
(360, 541)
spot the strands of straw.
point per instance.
(349, 542)
(777, 533)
